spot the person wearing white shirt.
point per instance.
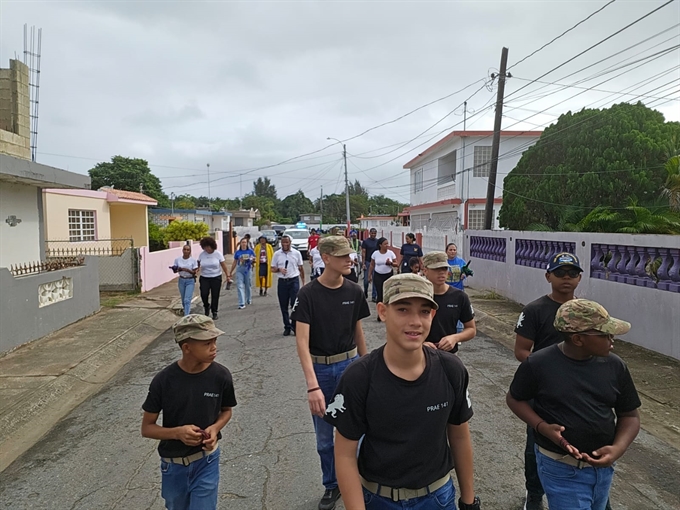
(316, 262)
(187, 268)
(211, 264)
(382, 262)
(287, 261)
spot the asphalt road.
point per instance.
(96, 459)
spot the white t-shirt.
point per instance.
(317, 261)
(294, 259)
(210, 263)
(380, 260)
(354, 257)
(183, 263)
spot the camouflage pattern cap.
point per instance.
(195, 327)
(335, 246)
(408, 285)
(579, 315)
(435, 260)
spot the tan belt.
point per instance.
(403, 494)
(336, 358)
(185, 461)
(565, 459)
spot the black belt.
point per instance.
(288, 279)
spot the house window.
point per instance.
(418, 181)
(476, 219)
(482, 163)
(81, 225)
(384, 223)
(446, 169)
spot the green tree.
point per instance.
(185, 202)
(291, 207)
(130, 174)
(380, 204)
(633, 219)
(184, 230)
(266, 206)
(156, 239)
(589, 159)
(263, 187)
(671, 188)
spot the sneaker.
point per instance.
(214, 316)
(533, 501)
(329, 498)
(286, 332)
(249, 303)
(241, 307)
(261, 292)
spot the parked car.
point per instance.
(279, 229)
(299, 239)
(272, 237)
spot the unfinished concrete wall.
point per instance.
(15, 121)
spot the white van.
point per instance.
(300, 240)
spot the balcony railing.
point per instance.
(537, 253)
(490, 248)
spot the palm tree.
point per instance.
(671, 188)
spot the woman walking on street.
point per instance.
(316, 262)
(409, 250)
(456, 277)
(243, 263)
(211, 264)
(187, 267)
(382, 262)
(263, 262)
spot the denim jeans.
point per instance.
(444, 497)
(287, 290)
(186, 292)
(243, 286)
(327, 376)
(192, 487)
(570, 488)
(532, 481)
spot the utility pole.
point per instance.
(321, 209)
(491, 188)
(209, 197)
(344, 155)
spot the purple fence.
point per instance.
(644, 266)
(491, 248)
(537, 253)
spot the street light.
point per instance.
(344, 156)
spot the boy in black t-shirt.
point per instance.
(328, 313)
(408, 403)
(196, 395)
(454, 305)
(574, 386)
(534, 331)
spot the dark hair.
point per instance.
(411, 235)
(413, 261)
(373, 229)
(451, 244)
(247, 236)
(208, 241)
(381, 240)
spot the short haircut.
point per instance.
(208, 241)
(373, 230)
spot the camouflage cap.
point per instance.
(435, 260)
(408, 285)
(578, 315)
(335, 246)
(195, 327)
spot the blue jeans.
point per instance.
(192, 487)
(444, 497)
(186, 292)
(243, 286)
(327, 376)
(570, 488)
(287, 290)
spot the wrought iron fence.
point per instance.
(100, 247)
(53, 264)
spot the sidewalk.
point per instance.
(44, 380)
(656, 377)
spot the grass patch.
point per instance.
(491, 295)
(109, 299)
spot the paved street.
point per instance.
(96, 459)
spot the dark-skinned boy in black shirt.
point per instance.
(196, 395)
(328, 314)
(454, 305)
(584, 408)
(410, 404)
(535, 331)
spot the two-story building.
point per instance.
(216, 220)
(449, 179)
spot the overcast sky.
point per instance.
(242, 85)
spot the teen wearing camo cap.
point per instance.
(328, 314)
(196, 395)
(535, 331)
(454, 306)
(411, 406)
(585, 406)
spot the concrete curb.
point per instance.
(35, 413)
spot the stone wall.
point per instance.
(15, 121)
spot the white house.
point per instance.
(449, 179)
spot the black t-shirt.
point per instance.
(577, 394)
(370, 245)
(189, 399)
(535, 323)
(404, 423)
(332, 315)
(454, 306)
(408, 251)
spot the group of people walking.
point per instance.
(392, 424)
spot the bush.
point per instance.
(184, 230)
(156, 241)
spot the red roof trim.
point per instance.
(449, 201)
(467, 134)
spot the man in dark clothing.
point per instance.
(328, 314)
(574, 385)
(367, 248)
(535, 331)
